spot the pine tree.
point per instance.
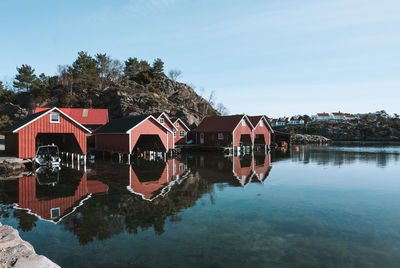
(25, 78)
(158, 67)
(85, 70)
(131, 68)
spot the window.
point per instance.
(181, 133)
(85, 112)
(177, 124)
(162, 120)
(181, 167)
(261, 123)
(220, 136)
(174, 133)
(55, 213)
(54, 118)
(243, 123)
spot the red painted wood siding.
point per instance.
(211, 139)
(27, 135)
(178, 138)
(112, 142)
(241, 130)
(150, 127)
(264, 130)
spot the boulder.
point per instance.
(15, 252)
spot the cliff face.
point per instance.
(122, 99)
(356, 130)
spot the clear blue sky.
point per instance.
(274, 57)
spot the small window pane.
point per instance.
(54, 117)
(182, 133)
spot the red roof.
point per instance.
(322, 114)
(84, 116)
(350, 115)
(338, 114)
(219, 123)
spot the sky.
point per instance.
(273, 57)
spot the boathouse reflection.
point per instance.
(171, 186)
(51, 194)
(235, 170)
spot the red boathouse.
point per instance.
(180, 134)
(42, 128)
(164, 119)
(262, 130)
(225, 131)
(126, 135)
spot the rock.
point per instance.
(11, 168)
(309, 139)
(15, 252)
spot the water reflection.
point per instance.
(236, 171)
(340, 155)
(193, 211)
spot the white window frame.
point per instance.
(174, 133)
(55, 209)
(51, 118)
(177, 124)
(261, 123)
(181, 133)
(181, 167)
(243, 123)
(162, 120)
(220, 136)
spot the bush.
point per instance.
(7, 96)
(4, 121)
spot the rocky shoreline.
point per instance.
(309, 139)
(12, 169)
(15, 252)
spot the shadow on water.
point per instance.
(206, 210)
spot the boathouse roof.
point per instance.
(30, 118)
(221, 123)
(85, 116)
(123, 125)
(255, 119)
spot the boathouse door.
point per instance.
(201, 138)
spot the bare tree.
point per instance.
(211, 98)
(222, 109)
(66, 76)
(174, 74)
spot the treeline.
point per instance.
(99, 72)
(86, 72)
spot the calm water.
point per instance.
(334, 206)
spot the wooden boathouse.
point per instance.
(43, 128)
(164, 119)
(131, 135)
(181, 132)
(90, 118)
(233, 131)
(262, 131)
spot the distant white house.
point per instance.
(321, 116)
(338, 116)
(296, 120)
(282, 121)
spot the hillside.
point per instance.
(384, 129)
(136, 89)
